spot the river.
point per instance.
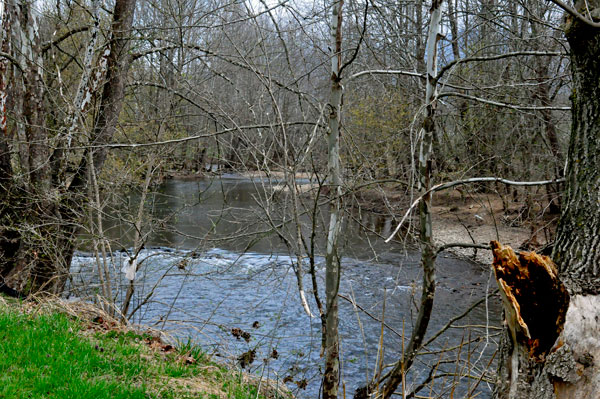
(204, 287)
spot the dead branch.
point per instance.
(502, 105)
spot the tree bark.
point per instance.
(40, 218)
(331, 376)
(571, 367)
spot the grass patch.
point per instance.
(48, 355)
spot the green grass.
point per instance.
(47, 355)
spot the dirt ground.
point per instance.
(480, 218)
(468, 217)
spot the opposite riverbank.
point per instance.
(459, 215)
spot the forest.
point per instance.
(348, 169)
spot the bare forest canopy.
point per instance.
(333, 108)
(245, 84)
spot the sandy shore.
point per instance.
(472, 218)
(481, 218)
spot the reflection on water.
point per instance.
(203, 289)
(226, 213)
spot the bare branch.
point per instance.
(451, 64)
(48, 45)
(360, 40)
(190, 138)
(178, 94)
(13, 60)
(135, 56)
(458, 317)
(444, 186)
(386, 72)
(575, 13)
(503, 105)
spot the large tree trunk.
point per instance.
(577, 249)
(571, 367)
(40, 215)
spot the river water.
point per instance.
(204, 287)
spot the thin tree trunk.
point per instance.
(332, 268)
(452, 16)
(117, 67)
(138, 242)
(428, 252)
(419, 49)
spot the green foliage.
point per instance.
(43, 358)
(47, 356)
(379, 127)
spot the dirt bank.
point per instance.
(463, 217)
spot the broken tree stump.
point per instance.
(535, 300)
(535, 305)
(551, 347)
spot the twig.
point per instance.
(369, 314)
(456, 318)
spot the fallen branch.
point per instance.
(444, 247)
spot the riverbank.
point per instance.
(474, 218)
(60, 349)
(459, 215)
